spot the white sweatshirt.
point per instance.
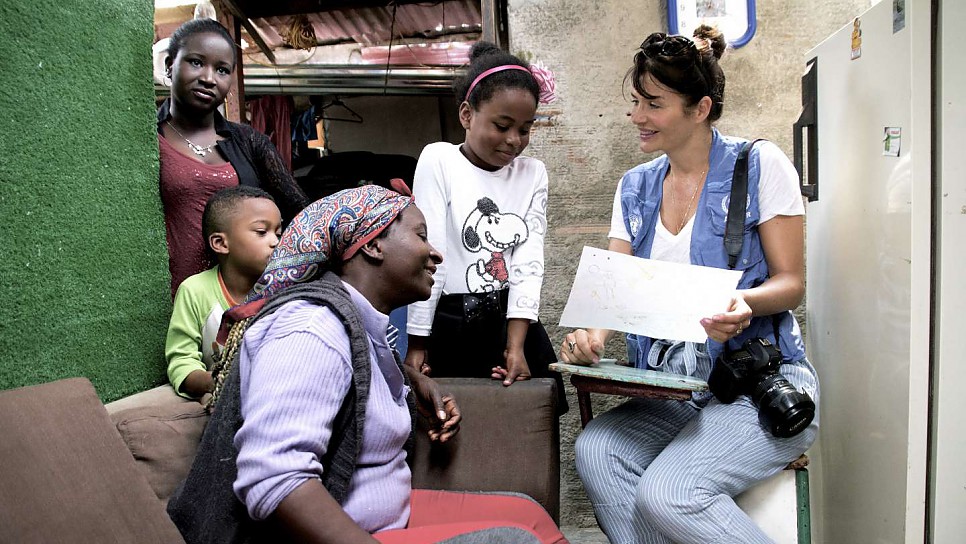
(489, 227)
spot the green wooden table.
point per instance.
(609, 378)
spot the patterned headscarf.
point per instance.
(334, 227)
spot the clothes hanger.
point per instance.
(353, 117)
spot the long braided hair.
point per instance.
(223, 362)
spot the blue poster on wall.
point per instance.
(736, 19)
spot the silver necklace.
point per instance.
(687, 211)
(195, 148)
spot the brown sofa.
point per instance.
(72, 470)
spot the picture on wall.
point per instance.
(734, 18)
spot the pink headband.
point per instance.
(544, 77)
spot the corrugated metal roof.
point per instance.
(455, 21)
(430, 44)
(370, 26)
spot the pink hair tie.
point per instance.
(543, 76)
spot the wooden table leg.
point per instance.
(586, 410)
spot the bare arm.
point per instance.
(198, 383)
(310, 514)
(439, 408)
(783, 240)
(417, 355)
(516, 368)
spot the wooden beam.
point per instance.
(235, 101)
(495, 23)
(242, 16)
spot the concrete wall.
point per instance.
(589, 142)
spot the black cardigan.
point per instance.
(255, 160)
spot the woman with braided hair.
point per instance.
(313, 419)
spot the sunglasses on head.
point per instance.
(660, 44)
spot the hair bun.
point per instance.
(714, 37)
(482, 49)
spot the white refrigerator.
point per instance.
(877, 145)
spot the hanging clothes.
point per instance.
(271, 115)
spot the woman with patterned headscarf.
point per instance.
(314, 420)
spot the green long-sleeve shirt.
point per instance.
(191, 342)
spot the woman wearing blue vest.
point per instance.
(661, 471)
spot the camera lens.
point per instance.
(782, 409)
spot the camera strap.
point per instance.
(735, 223)
(734, 236)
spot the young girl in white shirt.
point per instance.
(486, 209)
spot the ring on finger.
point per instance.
(572, 345)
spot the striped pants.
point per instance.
(660, 471)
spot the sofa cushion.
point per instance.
(502, 427)
(160, 395)
(66, 475)
(163, 439)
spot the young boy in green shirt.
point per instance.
(241, 226)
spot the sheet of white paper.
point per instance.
(654, 298)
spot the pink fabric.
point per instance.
(438, 515)
(186, 185)
(433, 54)
(546, 81)
(271, 115)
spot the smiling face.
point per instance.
(409, 259)
(201, 73)
(664, 120)
(499, 130)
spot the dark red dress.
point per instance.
(186, 185)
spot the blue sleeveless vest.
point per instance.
(641, 193)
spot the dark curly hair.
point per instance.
(484, 56)
(689, 70)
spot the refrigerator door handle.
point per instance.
(805, 134)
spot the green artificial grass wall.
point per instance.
(83, 264)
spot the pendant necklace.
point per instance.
(201, 151)
(687, 211)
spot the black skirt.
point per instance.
(469, 339)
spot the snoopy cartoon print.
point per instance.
(493, 234)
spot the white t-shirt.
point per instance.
(489, 226)
(778, 194)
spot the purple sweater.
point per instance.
(295, 369)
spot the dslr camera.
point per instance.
(753, 371)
